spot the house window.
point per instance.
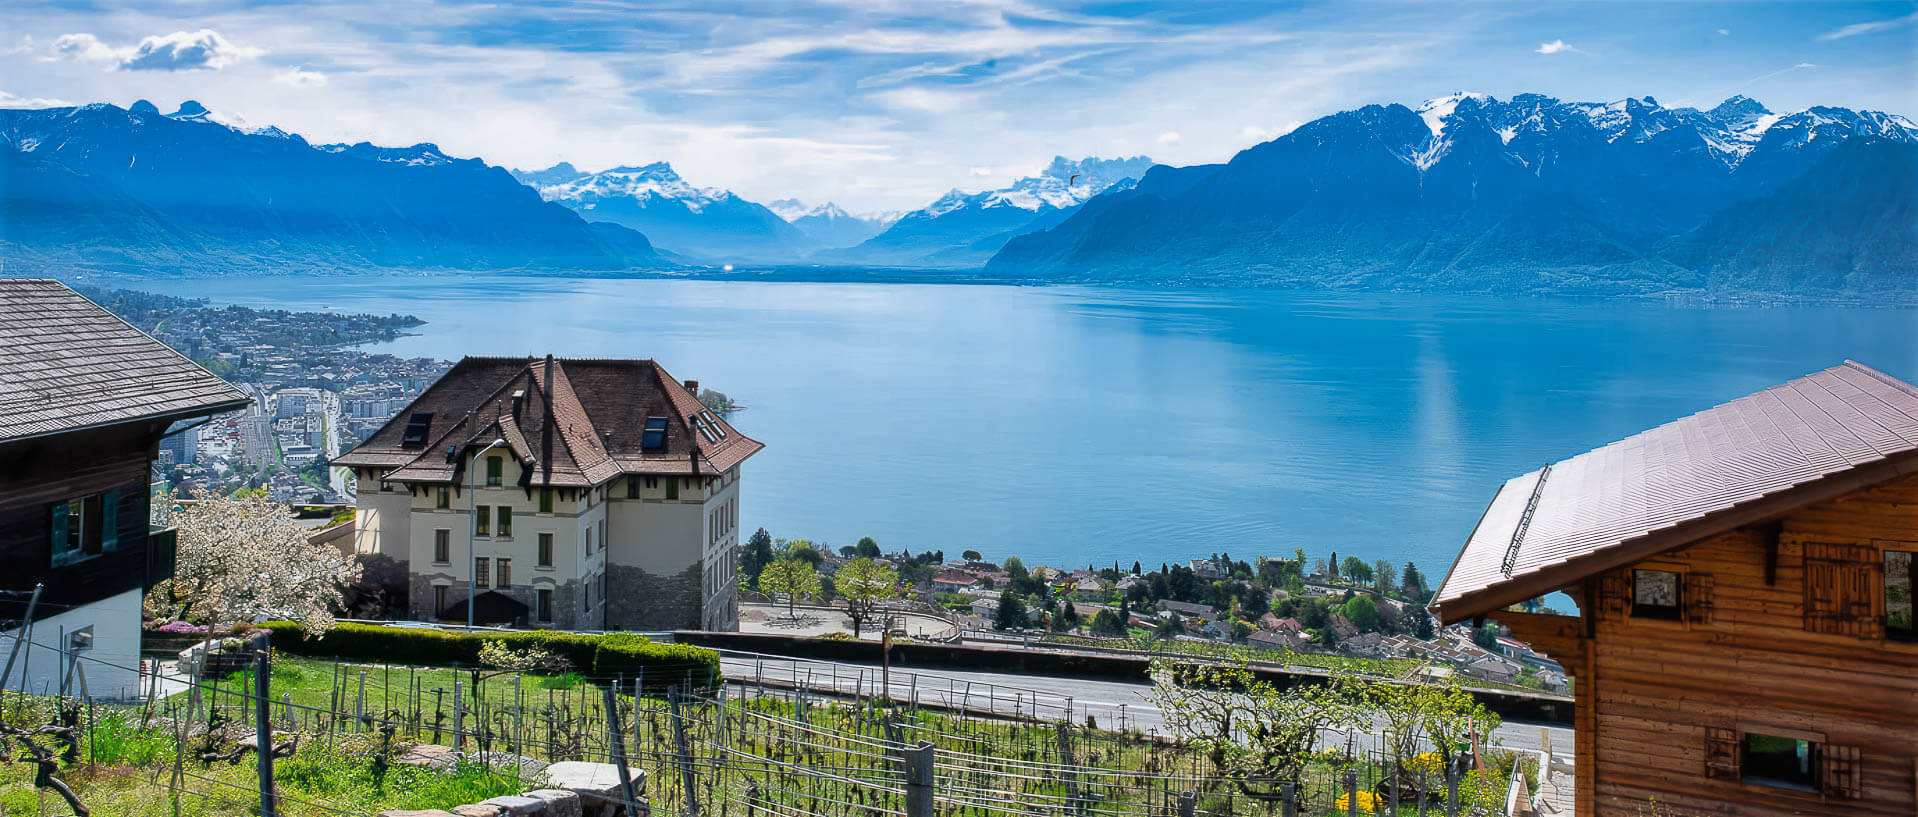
(545, 500)
(1776, 761)
(1655, 594)
(1898, 602)
(482, 521)
(506, 520)
(495, 469)
(85, 527)
(545, 550)
(632, 487)
(439, 599)
(505, 573)
(482, 570)
(442, 546)
(672, 487)
(652, 482)
(544, 604)
(443, 498)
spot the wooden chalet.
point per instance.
(1745, 642)
(84, 401)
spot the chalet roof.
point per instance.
(1802, 441)
(573, 422)
(67, 364)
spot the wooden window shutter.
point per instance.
(1840, 593)
(1838, 772)
(1721, 753)
(1698, 598)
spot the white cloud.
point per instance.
(1871, 27)
(1778, 73)
(299, 77)
(1170, 137)
(185, 51)
(1555, 47)
(8, 100)
(1724, 32)
(83, 47)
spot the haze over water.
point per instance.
(1073, 426)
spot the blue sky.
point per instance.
(886, 105)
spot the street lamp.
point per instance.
(472, 525)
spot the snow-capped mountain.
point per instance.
(703, 222)
(963, 229)
(1466, 191)
(830, 226)
(131, 187)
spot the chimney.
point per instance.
(519, 399)
(693, 387)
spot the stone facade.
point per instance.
(646, 601)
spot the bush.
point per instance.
(616, 655)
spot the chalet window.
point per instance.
(442, 546)
(482, 570)
(442, 498)
(505, 567)
(545, 500)
(672, 487)
(1899, 622)
(482, 521)
(1655, 594)
(495, 469)
(84, 527)
(543, 605)
(1777, 761)
(506, 520)
(1839, 592)
(545, 550)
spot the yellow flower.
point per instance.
(1368, 803)
(1428, 763)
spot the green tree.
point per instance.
(972, 556)
(1171, 628)
(1332, 566)
(1417, 715)
(867, 548)
(791, 575)
(1357, 570)
(803, 549)
(1382, 576)
(1011, 614)
(758, 553)
(1422, 625)
(1255, 733)
(1363, 614)
(1107, 623)
(863, 585)
(1015, 569)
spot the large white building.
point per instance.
(607, 498)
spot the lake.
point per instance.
(1074, 425)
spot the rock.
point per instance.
(596, 782)
(427, 812)
(518, 805)
(429, 755)
(559, 802)
(478, 810)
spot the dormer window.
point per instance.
(416, 428)
(655, 436)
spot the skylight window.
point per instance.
(655, 436)
(416, 428)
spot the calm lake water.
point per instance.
(1073, 426)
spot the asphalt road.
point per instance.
(1114, 704)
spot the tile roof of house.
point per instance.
(575, 422)
(1802, 441)
(67, 364)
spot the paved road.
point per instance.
(1114, 704)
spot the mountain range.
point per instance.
(1461, 193)
(1467, 192)
(137, 189)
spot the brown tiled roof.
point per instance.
(1734, 464)
(66, 363)
(579, 425)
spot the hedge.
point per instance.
(601, 657)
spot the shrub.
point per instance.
(615, 655)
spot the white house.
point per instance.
(569, 493)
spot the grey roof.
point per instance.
(1657, 487)
(66, 364)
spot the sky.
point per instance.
(886, 104)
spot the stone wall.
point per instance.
(640, 600)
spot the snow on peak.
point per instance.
(789, 209)
(654, 181)
(1063, 183)
(1435, 111)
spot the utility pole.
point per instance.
(263, 732)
